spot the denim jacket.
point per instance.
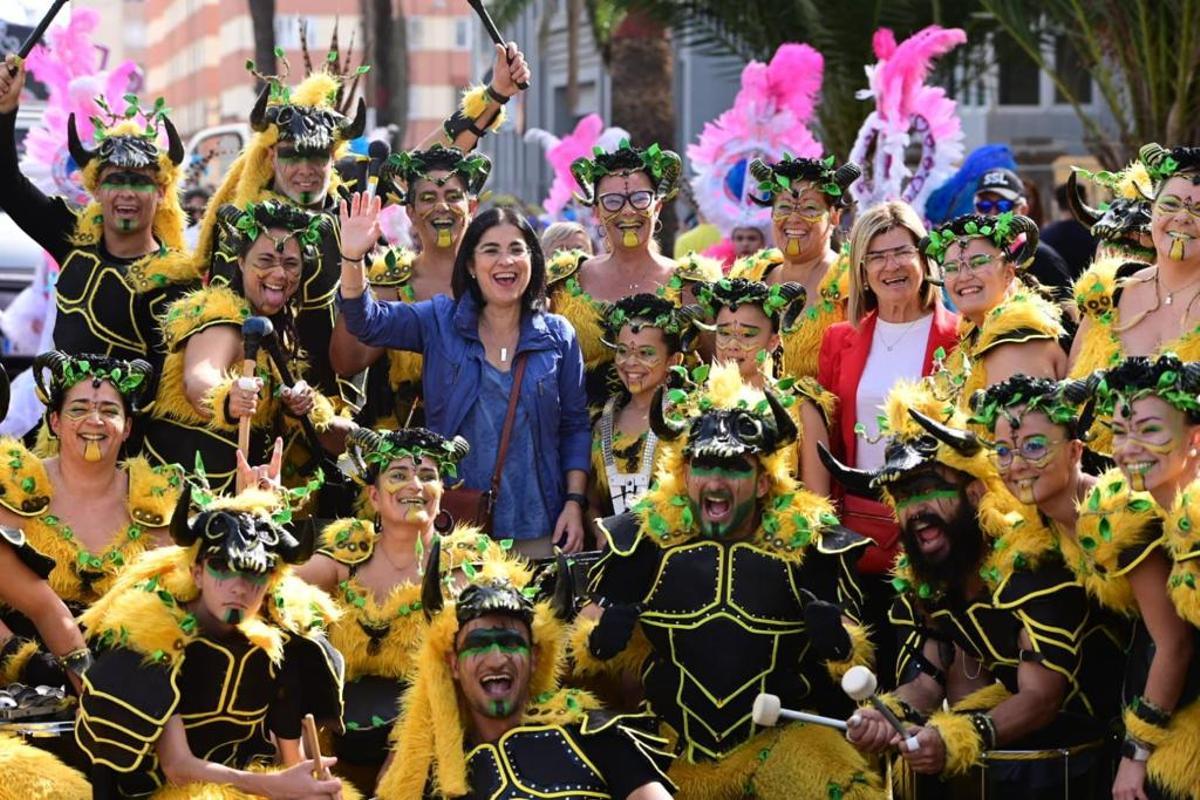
(446, 333)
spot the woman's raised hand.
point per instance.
(360, 225)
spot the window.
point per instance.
(462, 34)
(1072, 72)
(1019, 77)
(287, 30)
(416, 33)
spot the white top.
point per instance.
(897, 351)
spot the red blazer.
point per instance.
(844, 351)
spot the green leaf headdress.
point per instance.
(662, 166)
(132, 379)
(1002, 231)
(783, 176)
(243, 226)
(1163, 164)
(371, 451)
(651, 311)
(1020, 395)
(1166, 377)
(781, 302)
(409, 166)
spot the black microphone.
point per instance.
(378, 152)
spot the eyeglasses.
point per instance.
(494, 251)
(900, 255)
(1173, 205)
(1035, 451)
(973, 265)
(646, 356)
(615, 201)
(1001, 206)
(809, 212)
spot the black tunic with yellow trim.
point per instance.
(1026, 589)
(176, 432)
(317, 312)
(590, 754)
(154, 662)
(586, 314)
(393, 388)
(725, 619)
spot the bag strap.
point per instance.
(514, 394)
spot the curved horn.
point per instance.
(563, 601)
(797, 297)
(1190, 372)
(691, 323)
(668, 182)
(182, 533)
(174, 143)
(666, 429)
(141, 367)
(459, 447)
(258, 114)
(855, 481)
(477, 181)
(431, 583)
(965, 442)
(1152, 155)
(1022, 224)
(297, 546)
(582, 173)
(783, 420)
(1083, 213)
(75, 147)
(847, 174)
(52, 360)
(761, 171)
(352, 129)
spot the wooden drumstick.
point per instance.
(254, 330)
(312, 747)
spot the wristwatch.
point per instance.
(1135, 750)
(581, 499)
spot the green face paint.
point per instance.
(233, 616)
(219, 569)
(483, 641)
(132, 181)
(726, 471)
(126, 225)
(925, 497)
(720, 530)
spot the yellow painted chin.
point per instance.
(91, 452)
(444, 239)
(1178, 245)
(630, 239)
(793, 247)
(1138, 481)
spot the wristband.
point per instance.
(78, 661)
(986, 728)
(358, 260)
(1135, 751)
(581, 499)
(1149, 713)
(499, 98)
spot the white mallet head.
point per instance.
(766, 710)
(859, 683)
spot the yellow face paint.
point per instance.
(793, 247)
(1176, 252)
(443, 237)
(630, 239)
(91, 452)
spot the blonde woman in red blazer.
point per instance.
(896, 322)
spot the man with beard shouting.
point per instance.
(988, 616)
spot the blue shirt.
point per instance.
(446, 333)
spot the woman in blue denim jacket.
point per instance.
(469, 345)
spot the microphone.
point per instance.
(378, 151)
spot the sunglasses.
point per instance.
(1003, 206)
(615, 201)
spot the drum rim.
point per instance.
(1044, 754)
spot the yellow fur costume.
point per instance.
(30, 773)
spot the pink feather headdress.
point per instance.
(769, 117)
(904, 104)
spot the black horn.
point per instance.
(563, 601)
(783, 420)
(79, 153)
(174, 143)
(847, 174)
(666, 429)
(797, 297)
(855, 481)
(1025, 225)
(298, 545)
(431, 583)
(352, 129)
(52, 360)
(1083, 213)
(181, 532)
(258, 115)
(581, 172)
(965, 442)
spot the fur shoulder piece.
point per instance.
(755, 267)
(585, 315)
(195, 311)
(560, 707)
(24, 485)
(348, 541)
(563, 265)
(395, 268)
(1023, 317)
(1182, 528)
(1096, 289)
(161, 269)
(153, 492)
(1019, 542)
(1117, 529)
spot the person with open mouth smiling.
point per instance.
(627, 190)
(1136, 310)
(491, 344)
(486, 717)
(198, 406)
(807, 197)
(441, 199)
(726, 580)
(1009, 326)
(989, 618)
(373, 572)
(1111, 537)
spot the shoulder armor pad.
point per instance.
(623, 532)
(348, 541)
(395, 268)
(696, 267)
(563, 265)
(126, 702)
(153, 492)
(25, 487)
(196, 311)
(835, 539)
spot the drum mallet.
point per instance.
(768, 710)
(859, 684)
(254, 330)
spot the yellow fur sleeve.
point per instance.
(153, 492)
(862, 653)
(963, 745)
(24, 485)
(628, 662)
(14, 665)
(1143, 731)
(474, 105)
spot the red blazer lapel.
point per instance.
(854, 362)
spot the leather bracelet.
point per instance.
(1149, 713)
(1135, 750)
(581, 499)
(499, 98)
(78, 661)
(358, 260)
(986, 728)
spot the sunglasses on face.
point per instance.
(1002, 206)
(615, 201)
